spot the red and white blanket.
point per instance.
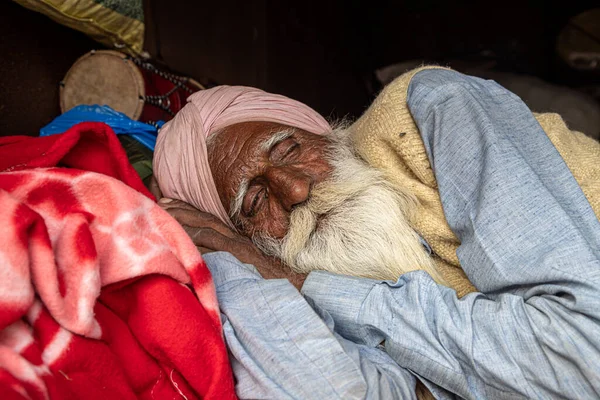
(102, 294)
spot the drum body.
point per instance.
(132, 86)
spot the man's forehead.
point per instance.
(248, 140)
(251, 131)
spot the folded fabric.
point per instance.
(101, 292)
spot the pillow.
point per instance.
(118, 24)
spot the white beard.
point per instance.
(356, 223)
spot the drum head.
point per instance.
(104, 77)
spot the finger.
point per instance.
(189, 215)
(154, 188)
(198, 219)
(210, 239)
(167, 203)
(245, 252)
(204, 250)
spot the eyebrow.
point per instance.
(276, 138)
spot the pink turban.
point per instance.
(180, 158)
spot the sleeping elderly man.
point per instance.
(449, 238)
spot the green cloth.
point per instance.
(130, 8)
(139, 156)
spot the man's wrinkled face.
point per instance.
(310, 201)
(263, 170)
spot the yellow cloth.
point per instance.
(387, 138)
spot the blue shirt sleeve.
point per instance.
(281, 348)
(529, 241)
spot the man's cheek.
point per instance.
(317, 167)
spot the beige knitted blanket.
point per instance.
(387, 138)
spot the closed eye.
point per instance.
(254, 200)
(291, 150)
(285, 149)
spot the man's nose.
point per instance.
(291, 186)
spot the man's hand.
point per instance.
(209, 234)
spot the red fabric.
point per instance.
(102, 294)
(89, 146)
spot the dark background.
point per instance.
(321, 52)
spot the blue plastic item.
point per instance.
(119, 122)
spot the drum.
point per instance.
(129, 85)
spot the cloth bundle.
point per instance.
(102, 294)
(405, 162)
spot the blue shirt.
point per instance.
(530, 243)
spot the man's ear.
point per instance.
(154, 189)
